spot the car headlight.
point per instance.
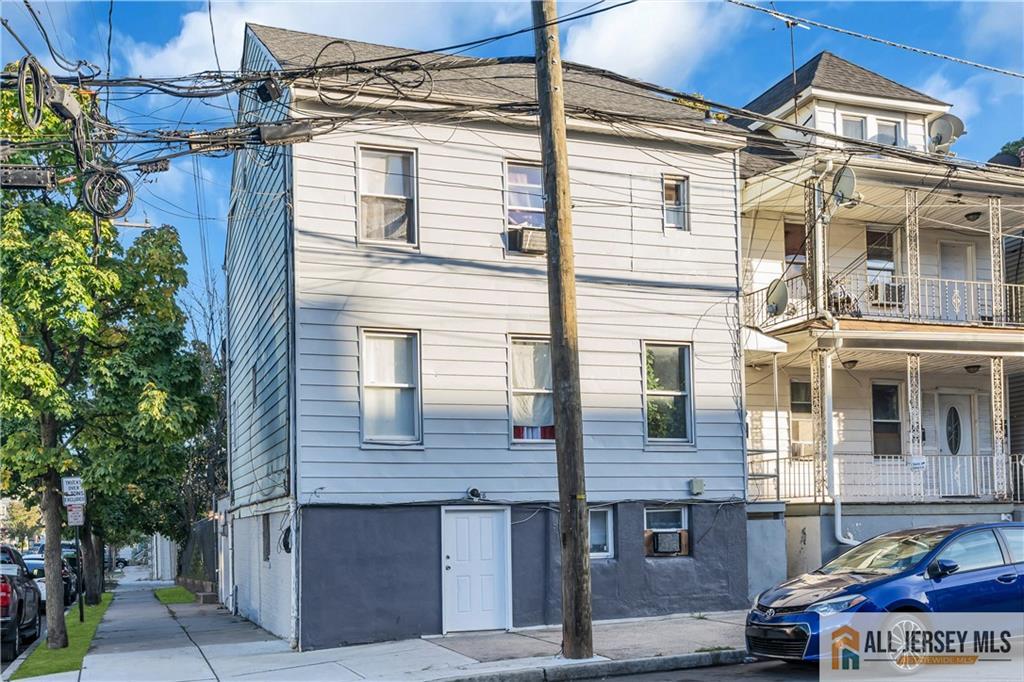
(837, 604)
(757, 598)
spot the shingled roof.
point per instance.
(496, 80)
(829, 72)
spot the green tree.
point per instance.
(1013, 147)
(22, 523)
(95, 375)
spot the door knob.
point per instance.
(447, 568)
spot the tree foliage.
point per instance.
(1012, 147)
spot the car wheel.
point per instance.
(900, 625)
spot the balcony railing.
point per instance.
(889, 478)
(888, 297)
(1017, 477)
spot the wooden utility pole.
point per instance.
(577, 631)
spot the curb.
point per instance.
(16, 663)
(609, 668)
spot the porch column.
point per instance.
(999, 453)
(995, 241)
(915, 422)
(821, 418)
(814, 270)
(913, 224)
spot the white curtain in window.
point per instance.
(390, 413)
(384, 218)
(531, 365)
(386, 173)
(533, 409)
(389, 359)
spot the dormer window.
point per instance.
(889, 133)
(854, 127)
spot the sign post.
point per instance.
(74, 500)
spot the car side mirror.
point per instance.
(942, 568)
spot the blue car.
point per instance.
(939, 569)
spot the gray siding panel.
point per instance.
(258, 338)
(465, 295)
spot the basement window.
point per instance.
(601, 543)
(666, 531)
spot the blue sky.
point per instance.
(726, 53)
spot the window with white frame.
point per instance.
(881, 255)
(795, 238)
(801, 426)
(391, 402)
(667, 392)
(675, 192)
(886, 422)
(524, 200)
(855, 127)
(387, 199)
(889, 133)
(666, 531)
(533, 414)
(601, 543)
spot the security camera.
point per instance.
(474, 494)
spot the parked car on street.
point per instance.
(968, 568)
(37, 567)
(20, 604)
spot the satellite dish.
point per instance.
(844, 187)
(943, 132)
(777, 297)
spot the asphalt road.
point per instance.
(770, 671)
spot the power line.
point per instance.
(790, 18)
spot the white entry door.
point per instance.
(954, 291)
(476, 568)
(956, 445)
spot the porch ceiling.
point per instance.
(887, 361)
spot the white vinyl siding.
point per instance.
(391, 401)
(466, 298)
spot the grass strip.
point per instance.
(174, 595)
(46, 661)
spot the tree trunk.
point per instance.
(56, 633)
(91, 563)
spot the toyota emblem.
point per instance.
(769, 613)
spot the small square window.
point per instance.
(853, 127)
(889, 133)
(800, 397)
(674, 195)
(666, 531)
(386, 196)
(601, 542)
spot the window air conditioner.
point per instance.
(886, 294)
(803, 451)
(533, 240)
(667, 542)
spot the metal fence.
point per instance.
(889, 478)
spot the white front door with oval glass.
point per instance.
(956, 445)
(476, 568)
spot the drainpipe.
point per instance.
(833, 484)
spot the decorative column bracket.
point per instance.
(821, 418)
(995, 231)
(915, 421)
(999, 445)
(913, 231)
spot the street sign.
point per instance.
(76, 515)
(73, 491)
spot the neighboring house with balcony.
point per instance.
(392, 468)
(877, 389)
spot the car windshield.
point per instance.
(886, 554)
(34, 566)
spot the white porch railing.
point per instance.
(860, 294)
(1017, 477)
(888, 478)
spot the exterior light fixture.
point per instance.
(973, 216)
(850, 364)
(972, 369)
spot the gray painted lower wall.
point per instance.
(374, 573)
(766, 546)
(810, 529)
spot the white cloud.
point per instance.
(657, 41)
(994, 28)
(408, 24)
(965, 98)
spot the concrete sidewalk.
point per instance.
(141, 640)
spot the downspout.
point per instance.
(833, 484)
